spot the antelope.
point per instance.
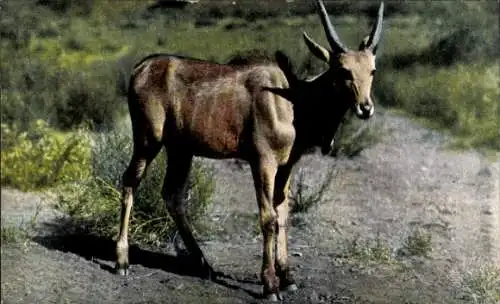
(260, 113)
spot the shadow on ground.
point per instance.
(65, 237)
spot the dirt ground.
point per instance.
(408, 181)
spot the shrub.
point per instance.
(205, 22)
(34, 90)
(82, 7)
(481, 285)
(95, 204)
(461, 98)
(369, 252)
(304, 195)
(42, 157)
(20, 232)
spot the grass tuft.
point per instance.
(481, 286)
(20, 233)
(94, 204)
(369, 252)
(419, 243)
(305, 194)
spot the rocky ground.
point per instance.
(406, 221)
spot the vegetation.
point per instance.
(419, 243)
(73, 57)
(369, 252)
(93, 204)
(22, 232)
(452, 78)
(42, 157)
(306, 194)
(481, 286)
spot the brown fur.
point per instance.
(255, 110)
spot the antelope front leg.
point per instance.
(281, 188)
(263, 174)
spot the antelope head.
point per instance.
(350, 72)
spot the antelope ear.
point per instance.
(317, 49)
(286, 93)
(364, 44)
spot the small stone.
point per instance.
(297, 254)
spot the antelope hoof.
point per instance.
(121, 270)
(291, 288)
(274, 297)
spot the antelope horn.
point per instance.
(331, 35)
(377, 30)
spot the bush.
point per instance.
(42, 157)
(481, 285)
(34, 90)
(304, 195)
(95, 203)
(81, 7)
(462, 98)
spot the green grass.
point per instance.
(461, 99)
(369, 252)
(13, 235)
(21, 232)
(481, 286)
(93, 204)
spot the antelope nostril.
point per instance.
(366, 107)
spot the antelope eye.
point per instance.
(373, 72)
(345, 74)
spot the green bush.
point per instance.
(35, 90)
(95, 203)
(481, 285)
(42, 157)
(461, 98)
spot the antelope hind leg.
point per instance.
(173, 192)
(131, 179)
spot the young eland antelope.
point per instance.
(258, 112)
